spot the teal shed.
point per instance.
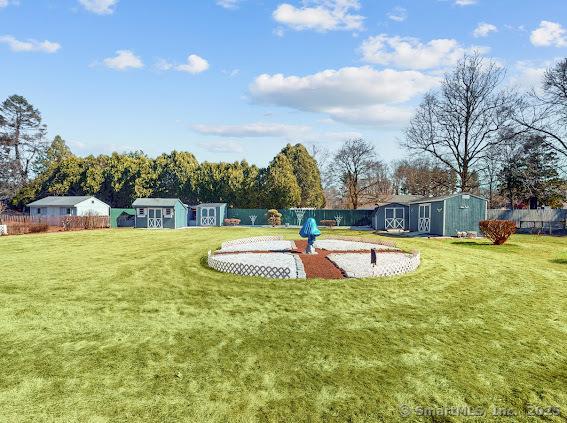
(211, 214)
(447, 215)
(160, 213)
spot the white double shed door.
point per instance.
(395, 218)
(155, 218)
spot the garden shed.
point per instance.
(444, 216)
(160, 213)
(211, 214)
(391, 216)
(447, 215)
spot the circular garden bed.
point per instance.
(336, 258)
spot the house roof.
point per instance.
(156, 202)
(67, 201)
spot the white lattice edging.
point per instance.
(249, 269)
(3, 230)
(252, 239)
(357, 265)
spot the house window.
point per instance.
(39, 210)
(168, 212)
(69, 212)
(141, 212)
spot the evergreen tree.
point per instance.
(22, 135)
(175, 173)
(530, 175)
(55, 153)
(280, 187)
(307, 174)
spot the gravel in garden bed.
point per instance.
(285, 260)
(357, 265)
(340, 245)
(260, 246)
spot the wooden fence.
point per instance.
(540, 220)
(65, 222)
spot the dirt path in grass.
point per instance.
(317, 265)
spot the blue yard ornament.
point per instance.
(310, 231)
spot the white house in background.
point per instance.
(69, 206)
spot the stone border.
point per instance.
(300, 267)
(362, 239)
(252, 239)
(394, 268)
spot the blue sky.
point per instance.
(234, 79)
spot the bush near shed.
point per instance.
(328, 223)
(232, 222)
(498, 231)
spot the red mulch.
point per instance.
(318, 265)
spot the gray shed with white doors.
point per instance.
(211, 214)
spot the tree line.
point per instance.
(33, 168)
(472, 134)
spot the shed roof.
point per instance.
(211, 204)
(400, 199)
(156, 202)
(445, 197)
(62, 201)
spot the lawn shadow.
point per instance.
(486, 245)
(559, 261)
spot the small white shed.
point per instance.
(69, 206)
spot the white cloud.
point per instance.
(320, 15)
(228, 4)
(528, 75)
(222, 146)
(411, 53)
(398, 14)
(29, 45)
(5, 3)
(100, 7)
(354, 94)
(231, 73)
(371, 115)
(195, 64)
(465, 2)
(124, 59)
(252, 130)
(549, 34)
(483, 29)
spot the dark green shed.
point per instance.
(447, 215)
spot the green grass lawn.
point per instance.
(129, 325)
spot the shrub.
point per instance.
(328, 223)
(232, 222)
(274, 217)
(38, 227)
(498, 231)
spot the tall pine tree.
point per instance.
(280, 187)
(307, 174)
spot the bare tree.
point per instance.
(457, 123)
(546, 113)
(358, 171)
(422, 176)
